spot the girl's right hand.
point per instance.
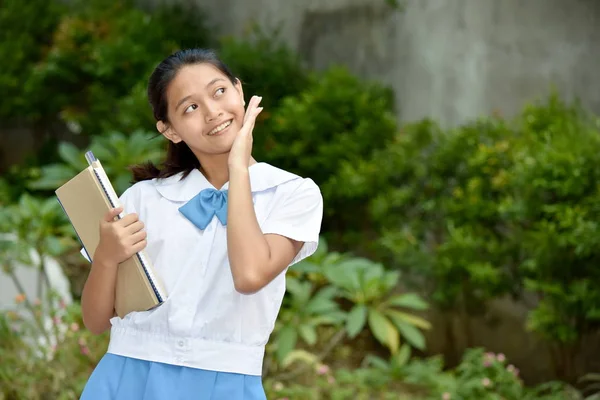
(120, 239)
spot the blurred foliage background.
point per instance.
(419, 219)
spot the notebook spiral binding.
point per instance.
(113, 203)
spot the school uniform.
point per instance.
(206, 341)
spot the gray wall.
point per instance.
(452, 60)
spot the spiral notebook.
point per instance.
(86, 199)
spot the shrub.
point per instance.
(99, 59)
(337, 120)
(60, 371)
(25, 35)
(266, 66)
(497, 207)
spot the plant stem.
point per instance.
(28, 305)
(335, 340)
(49, 305)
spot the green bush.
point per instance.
(266, 67)
(336, 120)
(115, 150)
(493, 208)
(345, 296)
(480, 376)
(25, 35)
(98, 62)
(36, 371)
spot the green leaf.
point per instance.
(402, 317)
(71, 155)
(308, 333)
(383, 330)
(306, 266)
(299, 355)
(409, 300)
(401, 358)
(52, 176)
(331, 318)
(377, 362)
(293, 286)
(320, 305)
(53, 246)
(412, 335)
(286, 341)
(322, 301)
(356, 320)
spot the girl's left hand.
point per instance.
(241, 150)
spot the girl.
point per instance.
(221, 230)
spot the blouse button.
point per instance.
(180, 343)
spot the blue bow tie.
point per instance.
(204, 206)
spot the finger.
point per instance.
(253, 118)
(135, 227)
(129, 219)
(138, 237)
(249, 125)
(139, 246)
(254, 102)
(112, 214)
(252, 105)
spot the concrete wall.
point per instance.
(452, 60)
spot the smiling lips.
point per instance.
(220, 128)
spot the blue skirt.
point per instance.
(117, 377)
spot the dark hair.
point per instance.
(180, 157)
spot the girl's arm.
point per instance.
(98, 297)
(119, 240)
(255, 259)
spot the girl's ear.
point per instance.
(168, 132)
(238, 87)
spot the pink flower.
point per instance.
(81, 341)
(501, 357)
(446, 396)
(85, 350)
(74, 326)
(511, 368)
(62, 304)
(487, 363)
(56, 320)
(486, 382)
(322, 369)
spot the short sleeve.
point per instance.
(297, 213)
(127, 201)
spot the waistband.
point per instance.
(187, 351)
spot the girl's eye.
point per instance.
(220, 91)
(191, 108)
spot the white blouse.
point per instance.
(205, 323)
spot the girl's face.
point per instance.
(205, 109)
